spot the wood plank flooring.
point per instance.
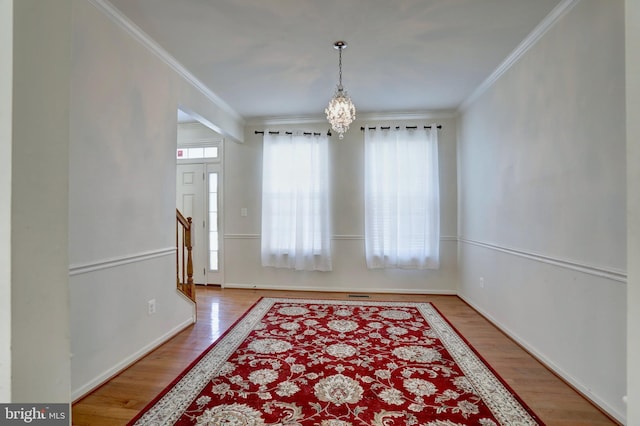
(120, 399)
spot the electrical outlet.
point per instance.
(481, 282)
(151, 307)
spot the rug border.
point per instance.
(192, 364)
(186, 370)
(490, 367)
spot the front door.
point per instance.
(198, 189)
(190, 198)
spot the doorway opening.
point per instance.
(199, 195)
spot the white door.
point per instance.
(190, 200)
(199, 196)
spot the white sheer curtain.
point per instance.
(402, 201)
(295, 202)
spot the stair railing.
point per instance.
(184, 260)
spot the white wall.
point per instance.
(243, 172)
(124, 100)
(542, 201)
(632, 24)
(39, 209)
(6, 85)
(195, 133)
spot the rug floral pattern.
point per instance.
(339, 363)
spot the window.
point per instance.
(295, 202)
(402, 219)
(197, 152)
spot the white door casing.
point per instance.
(199, 187)
(199, 196)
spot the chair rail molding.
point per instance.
(83, 268)
(599, 271)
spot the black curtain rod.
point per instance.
(397, 127)
(259, 132)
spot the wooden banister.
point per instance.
(184, 259)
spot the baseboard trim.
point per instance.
(555, 369)
(335, 237)
(358, 290)
(241, 236)
(598, 271)
(119, 261)
(109, 374)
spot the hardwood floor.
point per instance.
(120, 399)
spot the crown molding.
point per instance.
(408, 115)
(146, 41)
(549, 21)
(373, 116)
(285, 119)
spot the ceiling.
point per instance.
(275, 58)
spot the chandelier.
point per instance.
(341, 112)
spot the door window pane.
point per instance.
(211, 152)
(197, 153)
(213, 222)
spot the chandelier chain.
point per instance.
(340, 66)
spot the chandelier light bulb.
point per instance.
(340, 112)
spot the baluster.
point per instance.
(184, 259)
(177, 252)
(190, 283)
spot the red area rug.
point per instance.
(339, 363)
